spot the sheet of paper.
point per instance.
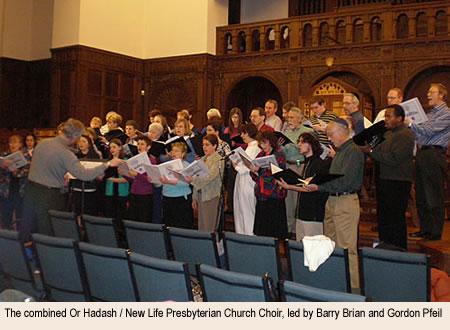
(196, 170)
(90, 164)
(166, 169)
(264, 162)
(18, 160)
(414, 111)
(234, 157)
(137, 162)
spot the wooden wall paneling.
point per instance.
(100, 82)
(14, 100)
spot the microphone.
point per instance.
(228, 156)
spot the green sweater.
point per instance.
(395, 155)
(349, 161)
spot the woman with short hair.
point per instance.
(270, 215)
(206, 194)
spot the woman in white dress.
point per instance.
(244, 195)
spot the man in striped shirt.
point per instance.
(431, 164)
(321, 118)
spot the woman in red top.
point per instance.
(270, 215)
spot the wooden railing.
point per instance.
(347, 25)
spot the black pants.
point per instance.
(392, 204)
(37, 201)
(431, 165)
(177, 212)
(116, 207)
(89, 202)
(140, 208)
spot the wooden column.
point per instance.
(277, 37)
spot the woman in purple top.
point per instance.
(141, 192)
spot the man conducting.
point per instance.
(52, 159)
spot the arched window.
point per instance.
(284, 42)
(228, 43)
(421, 25)
(402, 27)
(242, 42)
(340, 32)
(441, 23)
(376, 29)
(358, 30)
(256, 45)
(270, 39)
(323, 34)
(307, 35)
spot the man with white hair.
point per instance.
(351, 108)
(342, 208)
(52, 159)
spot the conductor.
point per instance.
(52, 159)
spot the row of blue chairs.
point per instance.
(72, 271)
(386, 275)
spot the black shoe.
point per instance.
(430, 237)
(418, 234)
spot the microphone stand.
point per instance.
(220, 216)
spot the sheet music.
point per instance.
(18, 160)
(136, 163)
(414, 111)
(234, 157)
(264, 162)
(196, 169)
(325, 152)
(166, 169)
(90, 164)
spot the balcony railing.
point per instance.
(377, 22)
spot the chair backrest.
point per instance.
(296, 292)
(100, 231)
(108, 273)
(253, 255)
(15, 264)
(64, 224)
(149, 239)
(159, 279)
(194, 246)
(395, 276)
(221, 285)
(333, 274)
(11, 295)
(61, 268)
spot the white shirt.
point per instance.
(274, 122)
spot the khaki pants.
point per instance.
(207, 214)
(341, 225)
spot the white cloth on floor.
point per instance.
(316, 249)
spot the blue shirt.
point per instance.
(436, 130)
(180, 189)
